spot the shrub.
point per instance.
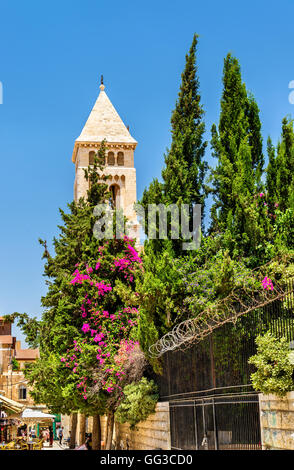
(138, 403)
(274, 369)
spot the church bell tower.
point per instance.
(105, 123)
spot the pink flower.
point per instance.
(85, 327)
(103, 288)
(267, 283)
(134, 254)
(98, 337)
(79, 278)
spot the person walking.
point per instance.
(60, 435)
(88, 442)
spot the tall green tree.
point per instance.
(237, 145)
(185, 169)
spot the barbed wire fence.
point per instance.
(241, 301)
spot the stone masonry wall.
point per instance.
(154, 433)
(277, 421)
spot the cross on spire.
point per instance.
(102, 84)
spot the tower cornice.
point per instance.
(96, 145)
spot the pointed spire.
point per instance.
(105, 123)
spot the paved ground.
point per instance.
(56, 446)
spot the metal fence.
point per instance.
(228, 422)
(212, 402)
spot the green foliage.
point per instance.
(15, 364)
(274, 371)
(184, 172)
(284, 228)
(175, 289)
(237, 144)
(161, 293)
(138, 403)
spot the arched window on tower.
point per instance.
(120, 159)
(91, 157)
(22, 393)
(114, 196)
(111, 159)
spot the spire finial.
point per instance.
(102, 84)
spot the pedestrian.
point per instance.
(88, 443)
(51, 436)
(60, 435)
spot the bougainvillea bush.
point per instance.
(108, 326)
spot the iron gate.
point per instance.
(220, 422)
(208, 386)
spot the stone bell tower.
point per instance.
(105, 123)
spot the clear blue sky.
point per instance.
(51, 55)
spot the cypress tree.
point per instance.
(237, 144)
(184, 172)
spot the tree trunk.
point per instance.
(81, 429)
(96, 433)
(73, 430)
(110, 425)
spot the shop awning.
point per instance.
(11, 406)
(33, 415)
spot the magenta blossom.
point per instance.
(85, 327)
(267, 283)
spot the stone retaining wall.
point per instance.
(277, 421)
(154, 433)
